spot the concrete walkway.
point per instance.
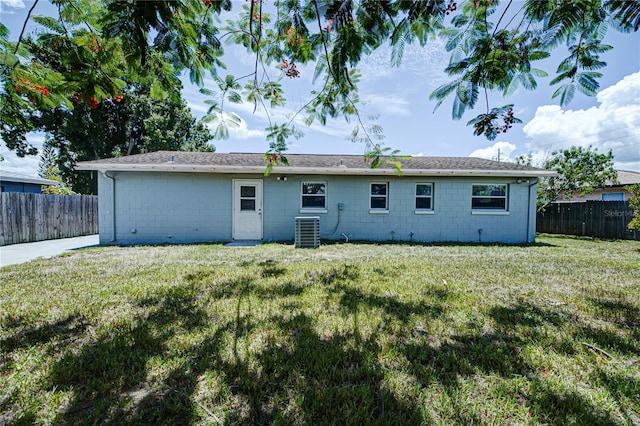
(20, 253)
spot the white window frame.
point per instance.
(379, 210)
(418, 210)
(302, 195)
(491, 210)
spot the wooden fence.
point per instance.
(35, 217)
(602, 219)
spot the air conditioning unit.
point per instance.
(307, 232)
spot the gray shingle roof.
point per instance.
(626, 177)
(301, 163)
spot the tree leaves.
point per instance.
(92, 48)
(498, 120)
(579, 171)
(634, 203)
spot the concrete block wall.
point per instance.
(452, 218)
(165, 208)
(197, 207)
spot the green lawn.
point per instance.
(345, 334)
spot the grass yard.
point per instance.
(345, 334)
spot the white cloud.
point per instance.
(241, 131)
(424, 63)
(612, 125)
(500, 150)
(15, 4)
(388, 104)
(27, 165)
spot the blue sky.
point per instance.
(399, 97)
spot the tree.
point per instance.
(48, 169)
(62, 189)
(114, 127)
(579, 171)
(48, 160)
(95, 46)
(634, 203)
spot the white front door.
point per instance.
(247, 209)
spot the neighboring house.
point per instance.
(185, 197)
(16, 182)
(612, 192)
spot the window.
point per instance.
(314, 195)
(489, 197)
(379, 196)
(424, 196)
(247, 198)
(613, 196)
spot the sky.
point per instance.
(399, 99)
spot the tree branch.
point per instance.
(504, 12)
(24, 26)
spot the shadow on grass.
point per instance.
(314, 379)
(279, 369)
(621, 312)
(101, 374)
(22, 336)
(502, 351)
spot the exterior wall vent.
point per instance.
(307, 232)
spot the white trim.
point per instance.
(506, 197)
(198, 168)
(325, 195)
(424, 211)
(314, 211)
(378, 211)
(235, 215)
(386, 197)
(490, 212)
(430, 197)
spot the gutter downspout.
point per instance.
(535, 182)
(113, 205)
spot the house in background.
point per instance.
(17, 182)
(187, 197)
(612, 192)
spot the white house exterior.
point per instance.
(188, 197)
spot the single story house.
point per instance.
(187, 197)
(612, 191)
(18, 182)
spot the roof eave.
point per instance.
(31, 181)
(292, 170)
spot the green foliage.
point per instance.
(93, 50)
(499, 120)
(524, 160)
(379, 155)
(48, 160)
(277, 136)
(131, 124)
(53, 173)
(634, 203)
(579, 171)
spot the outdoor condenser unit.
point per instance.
(307, 232)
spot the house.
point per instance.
(611, 192)
(186, 197)
(17, 182)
